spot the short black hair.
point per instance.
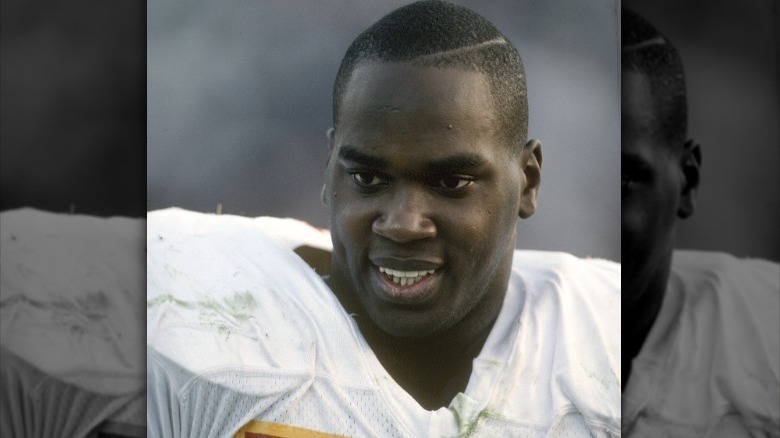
(434, 33)
(645, 50)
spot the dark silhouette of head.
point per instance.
(659, 172)
(647, 52)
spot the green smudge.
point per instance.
(168, 299)
(225, 314)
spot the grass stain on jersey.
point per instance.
(225, 314)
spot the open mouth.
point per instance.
(405, 278)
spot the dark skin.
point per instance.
(658, 186)
(420, 181)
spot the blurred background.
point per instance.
(729, 50)
(239, 100)
(72, 110)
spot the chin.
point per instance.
(402, 326)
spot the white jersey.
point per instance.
(71, 325)
(244, 339)
(709, 366)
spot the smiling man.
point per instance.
(429, 322)
(424, 187)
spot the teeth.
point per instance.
(405, 278)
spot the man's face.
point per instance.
(423, 197)
(650, 185)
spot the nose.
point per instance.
(405, 218)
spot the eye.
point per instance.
(369, 179)
(629, 183)
(454, 182)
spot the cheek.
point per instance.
(350, 220)
(499, 214)
(634, 222)
(647, 220)
(485, 230)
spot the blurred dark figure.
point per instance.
(73, 134)
(700, 329)
(71, 325)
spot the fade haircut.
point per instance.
(645, 50)
(433, 33)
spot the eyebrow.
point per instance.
(634, 162)
(464, 161)
(349, 153)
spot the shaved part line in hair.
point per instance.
(657, 41)
(462, 50)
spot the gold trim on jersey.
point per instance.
(263, 429)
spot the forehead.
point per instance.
(401, 91)
(637, 106)
(417, 113)
(640, 118)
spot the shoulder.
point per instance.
(572, 282)
(567, 268)
(716, 341)
(286, 232)
(707, 272)
(737, 299)
(732, 297)
(222, 291)
(71, 322)
(72, 286)
(570, 319)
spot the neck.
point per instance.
(648, 293)
(432, 369)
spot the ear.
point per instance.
(531, 163)
(331, 134)
(690, 165)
